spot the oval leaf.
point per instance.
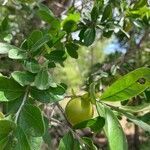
(22, 141)
(89, 36)
(31, 120)
(95, 124)
(46, 96)
(10, 89)
(128, 86)
(23, 78)
(113, 129)
(43, 80)
(68, 142)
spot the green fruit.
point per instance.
(78, 110)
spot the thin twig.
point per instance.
(22, 104)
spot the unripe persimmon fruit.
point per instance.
(78, 109)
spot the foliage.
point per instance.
(25, 91)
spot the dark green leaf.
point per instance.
(107, 14)
(35, 36)
(23, 78)
(59, 90)
(6, 127)
(145, 118)
(89, 36)
(13, 106)
(45, 14)
(94, 13)
(68, 142)
(72, 49)
(47, 136)
(43, 80)
(147, 95)
(40, 42)
(10, 88)
(4, 24)
(113, 129)
(128, 86)
(57, 56)
(89, 143)
(22, 140)
(31, 120)
(45, 96)
(51, 65)
(95, 124)
(139, 4)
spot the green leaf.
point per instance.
(95, 124)
(10, 88)
(59, 90)
(145, 118)
(45, 96)
(135, 120)
(55, 27)
(89, 36)
(31, 120)
(40, 42)
(4, 24)
(135, 109)
(56, 56)
(6, 127)
(89, 143)
(43, 80)
(113, 129)
(128, 86)
(107, 14)
(139, 4)
(68, 142)
(34, 37)
(2, 97)
(17, 54)
(72, 49)
(5, 48)
(32, 66)
(13, 106)
(94, 13)
(22, 77)
(36, 143)
(147, 95)
(45, 14)
(47, 136)
(22, 140)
